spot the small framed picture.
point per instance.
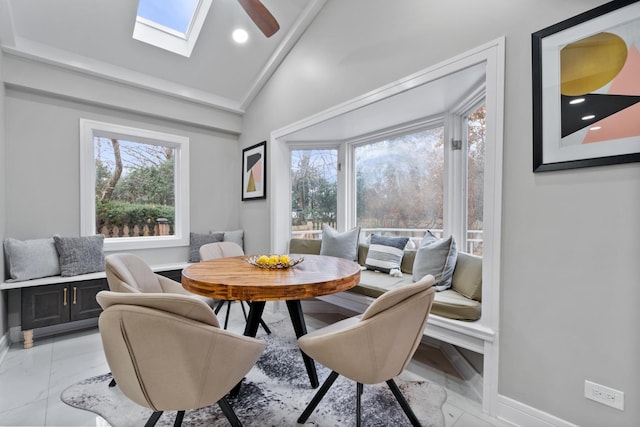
(254, 172)
(586, 90)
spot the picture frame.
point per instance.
(254, 172)
(586, 94)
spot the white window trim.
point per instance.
(165, 38)
(90, 129)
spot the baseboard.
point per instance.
(5, 343)
(519, 414)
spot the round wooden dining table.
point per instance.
(234, 278)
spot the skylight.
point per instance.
(174, 14)
(173, 25)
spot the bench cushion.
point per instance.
(451, 304)
(448, 303)
(461, 302)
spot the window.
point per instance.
(399, 186)
(314, 188)
(173, 25)
(134, 186)
(418, 176)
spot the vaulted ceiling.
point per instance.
(96, 37)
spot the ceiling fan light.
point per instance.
(240, 35)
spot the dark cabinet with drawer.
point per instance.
(48, 305)
(172, 274)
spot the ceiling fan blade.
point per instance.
(260, 16)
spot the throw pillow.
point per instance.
(196, 240)
(436, 257)
(385, 253)
(235, 236)
(80, 255)
(341, 245)
(31, 259)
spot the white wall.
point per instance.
(571, 239)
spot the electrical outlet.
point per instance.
(605, 395)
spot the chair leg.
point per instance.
(318, 397)
(228, 412)
(403, 403)
(153, 419)
(358, 404)
(179, 418)
(226, 317)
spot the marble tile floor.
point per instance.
(31, 380)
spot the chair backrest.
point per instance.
(129, 273)
(220, 250)
(167, 352)
(394, 324)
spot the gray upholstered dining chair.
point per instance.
(373, 347)
(167, 352)
(222, 250)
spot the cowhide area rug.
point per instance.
(274, 393)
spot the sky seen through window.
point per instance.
(174, 14)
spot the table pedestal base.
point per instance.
(299, 326)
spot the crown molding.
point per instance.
(38, 52)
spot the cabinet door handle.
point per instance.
(75, 290)
(64, 301)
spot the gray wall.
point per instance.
(571, 239)
(3, 295)
(43, 176)
(43, 171)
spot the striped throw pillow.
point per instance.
(385, 253)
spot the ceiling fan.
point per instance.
(259, 14)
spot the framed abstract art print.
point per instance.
(586, 89)
(254, 172)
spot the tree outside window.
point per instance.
(135, 191)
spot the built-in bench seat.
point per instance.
(455, 313)
(57, 301)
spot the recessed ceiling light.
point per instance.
(240, 36)
(588, 117)
(576, 101)
(595, 128)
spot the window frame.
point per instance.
(90, 129)
(340, 191)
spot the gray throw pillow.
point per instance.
(341, 245)
(385, 253)
(196, 240)
(31, 259)
(436, 257)
(80, 255)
